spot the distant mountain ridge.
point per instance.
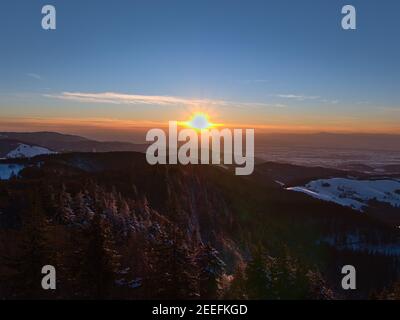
(58, 142)
(332, 140)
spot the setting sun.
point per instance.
(200, 121)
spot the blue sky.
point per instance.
(269, 62)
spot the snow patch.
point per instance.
(280, 183)
(353, 193)
(8, 170)
(26, 151)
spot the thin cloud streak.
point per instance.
(134, 99)
(297, 97)
(34, 76)
(304, 97)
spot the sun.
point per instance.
(199, 121)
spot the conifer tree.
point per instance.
(33, 252)
(237, 287)
(392, 293)
(173, 269)
(101, 262)
(210, 268)
(258, 279)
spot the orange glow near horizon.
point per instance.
(105, 127)
(199, 121)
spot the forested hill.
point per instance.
(116, 227)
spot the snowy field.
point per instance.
(353, 193)
(26, 151)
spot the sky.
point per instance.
(113, 67)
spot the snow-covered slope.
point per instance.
(27, 151)
(353, 193)
(7, 170)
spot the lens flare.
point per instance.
(199, 121)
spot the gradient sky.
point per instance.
(279, 65)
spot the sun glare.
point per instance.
(199, 121)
